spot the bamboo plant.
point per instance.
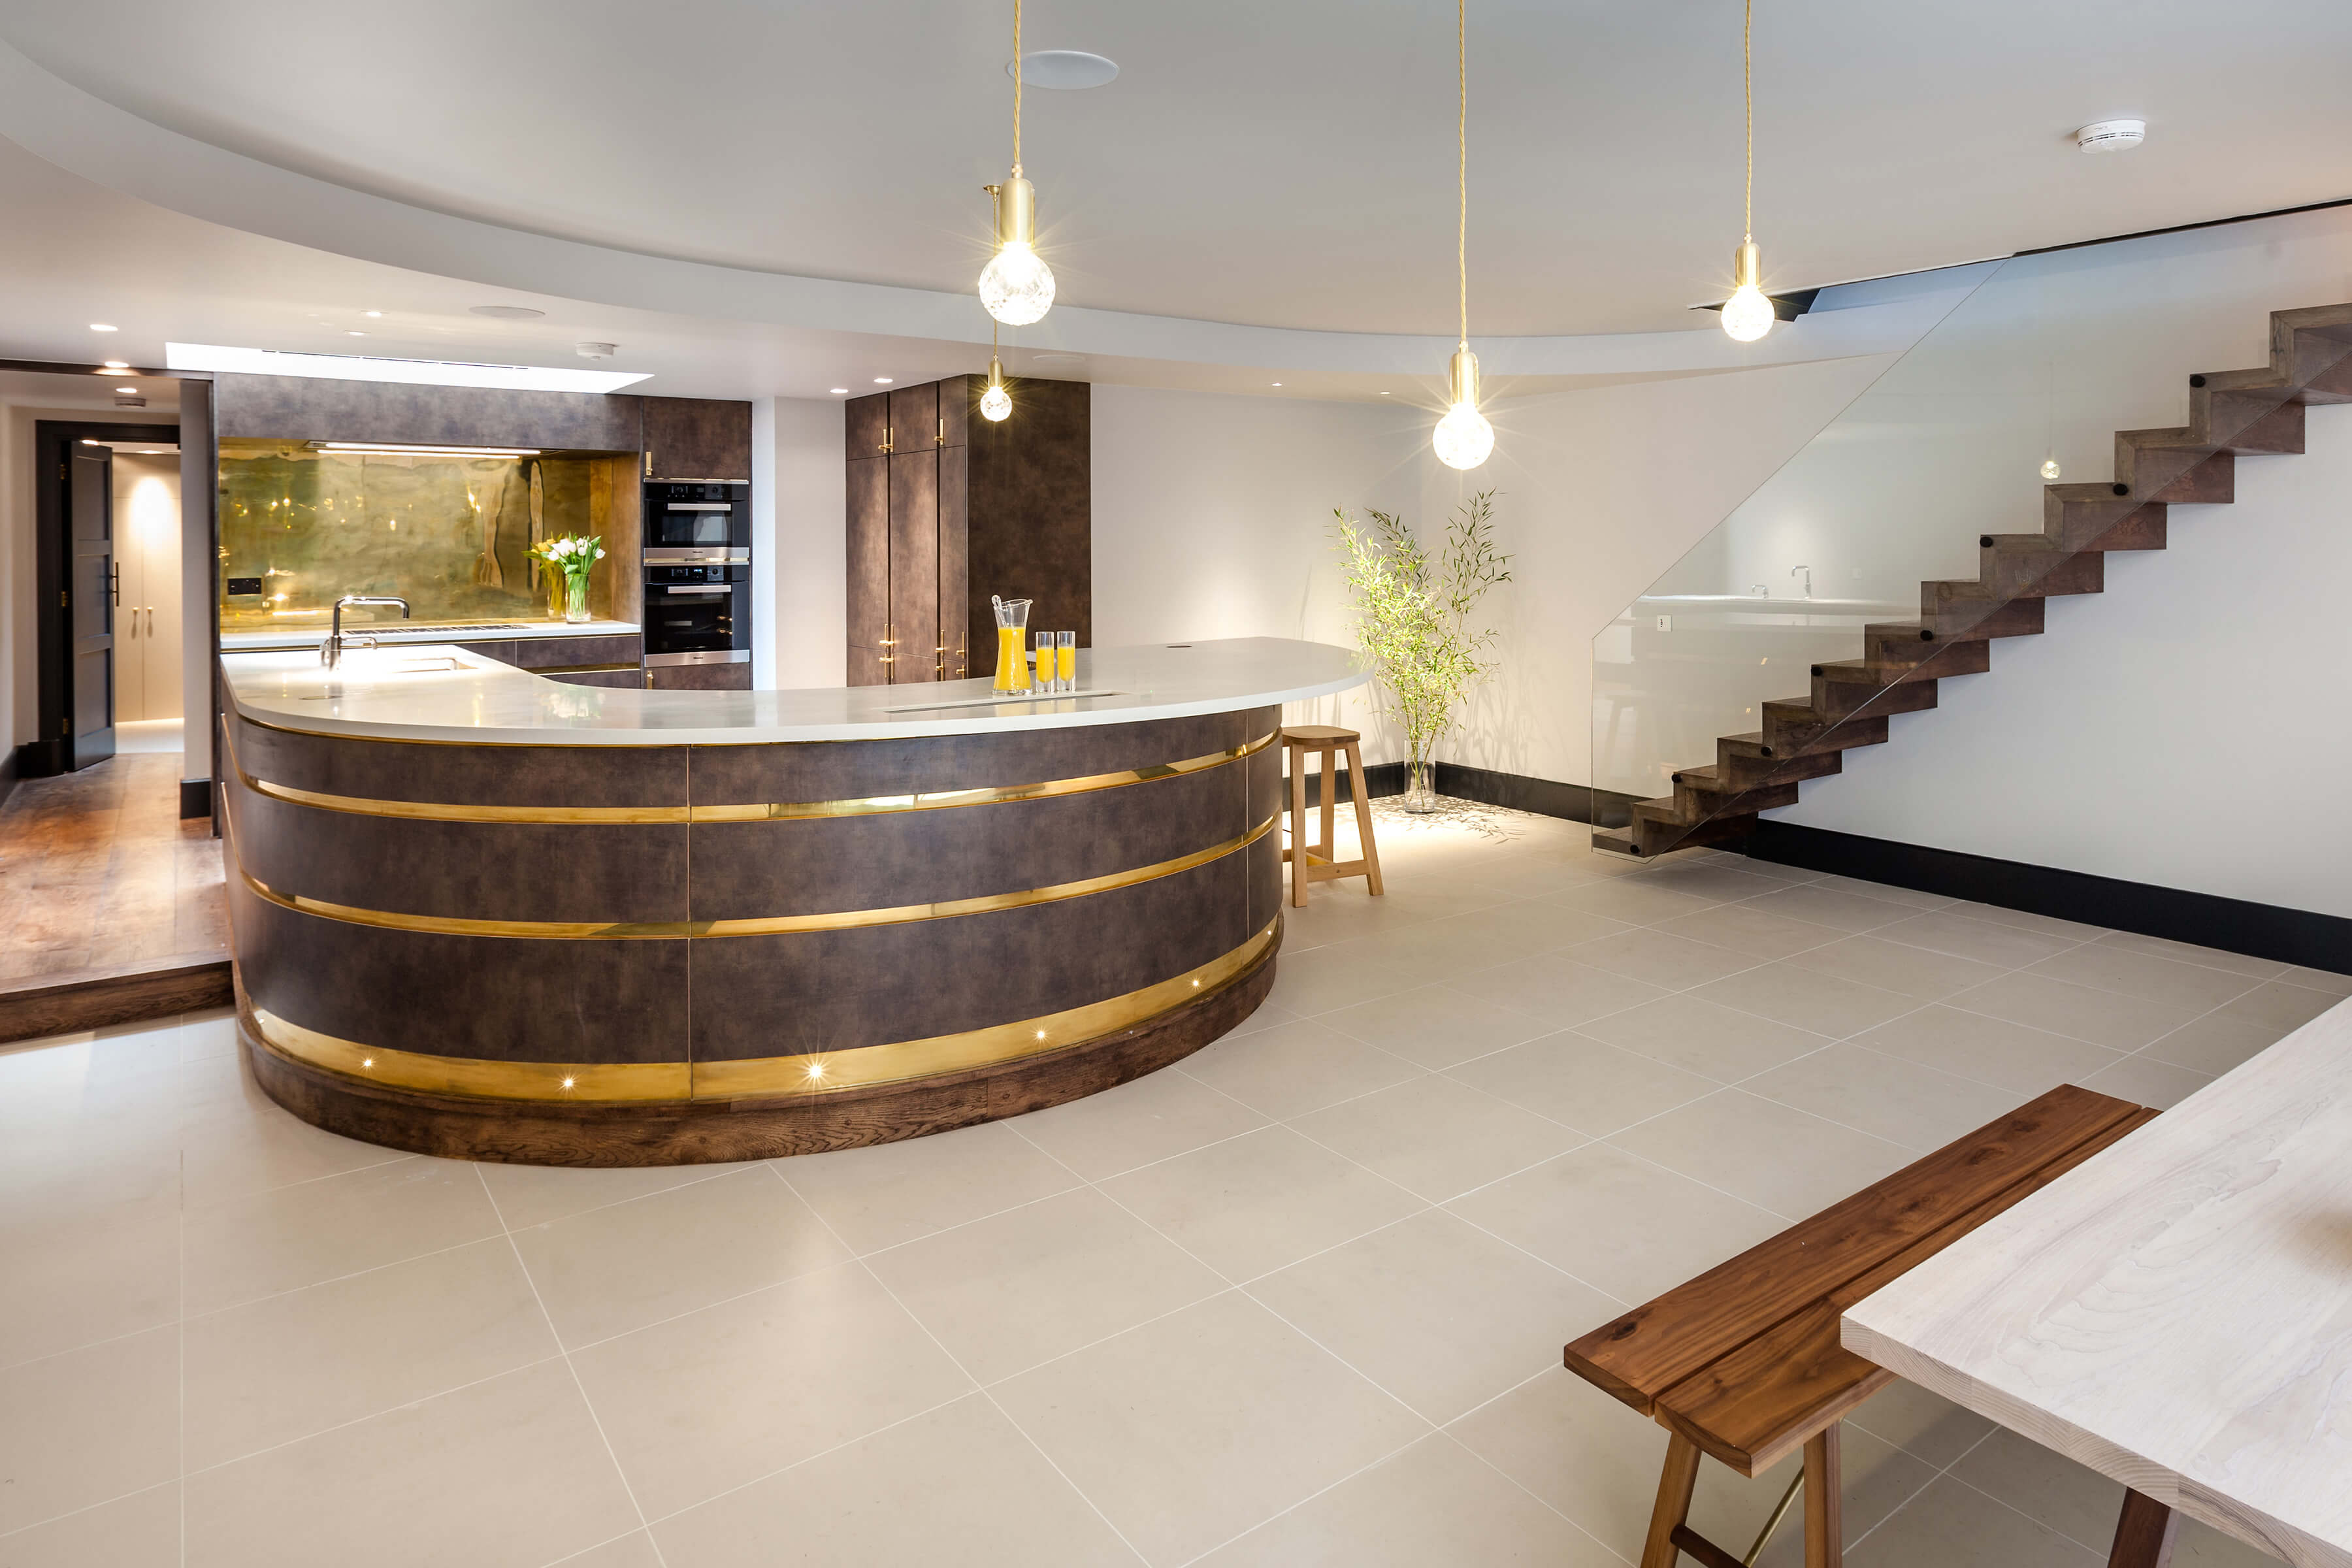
(1415, 622)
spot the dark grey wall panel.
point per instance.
(302, 408)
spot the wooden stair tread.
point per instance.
(1641, 1355)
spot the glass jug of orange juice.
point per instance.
(1011, 643)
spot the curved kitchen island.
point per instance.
(482, 914)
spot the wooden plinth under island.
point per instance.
(477, 914)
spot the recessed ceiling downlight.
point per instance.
(1064, 69)
(507, 312)
(2111, 135)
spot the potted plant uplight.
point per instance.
(1414, 623)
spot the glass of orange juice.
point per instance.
(1065, 663)
(1011, 644)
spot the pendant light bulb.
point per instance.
(1464, 437)
(995, 403)
(2049, 467)
(1748, 314)
(1016, 286)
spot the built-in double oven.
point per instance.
(698, 575)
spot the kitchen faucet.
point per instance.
(330, 652)
(1809, 578)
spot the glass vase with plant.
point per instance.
(571, 559)
(1415, 622)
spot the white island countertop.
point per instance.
(443, 694)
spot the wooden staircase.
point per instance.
(2230, 413)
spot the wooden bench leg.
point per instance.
(1824, 1511)
(1297, 760)
(1675, 1484)
(1367, 850)
(2143, 1534)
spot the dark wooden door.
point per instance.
(915, 419)
(914, 565)
(869, 568)
(90, 603)
(697, 438)
(955, 630)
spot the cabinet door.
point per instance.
(697, 438)
(955, 627)
(915, 417)
(869, 568)
(866, 421)
(957, 393)
(914, 565)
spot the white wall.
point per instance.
(800, 544)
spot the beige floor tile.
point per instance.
(2214, 1044)
(1886, 892)
(1879, 1479)
(634, 1550)
(1622, 1225)
(838, 1356)
(2024, 919)
(1433, 1025)
(619, 1267)
(1711, 880)
(287, 1237)
(1296, 1069)
(1557, 990)
(1887, 1096)
(208, 1036)
(2277, 1005)
(885, 1194)
(2199, 1545)
(1584, 1453)
(1790, 876)
(2026, 1062)
(91, 1425)
(535, 1194)
(2047, 1487)
(1704, 1038)
(285, 1366)
(1965, 936)
(1441, 1314)
(1536, 876)
(1891, 966)
(1433, 1503)
(1507, 932)
(142, 1530)
(1744, 927)
(1194, 1428)
(960, 1485)
(1672, 962)
(1265, 1018)
(1925, 1425)
(2137, 974)
(1807, 999)
(1590, 1087)
(1952, 1525)
(1633, 900)
(2146, 1082)
(2334, 985)
(1260, 1201)
(512, 1470)
(2102, 1017)
(75, 1273)
(2190, 953)
(1764, 1153)
(1012, 1290)
(235, 1139)
(1346, 911)
(1848, 911)
(1323, 978)
(1156, 1117)
(1438, 1136)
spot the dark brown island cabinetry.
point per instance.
(697, 438)
(945, 508)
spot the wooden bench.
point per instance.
(1744, 1364)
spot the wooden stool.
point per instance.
(1313, 862)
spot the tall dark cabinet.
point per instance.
(946, 507)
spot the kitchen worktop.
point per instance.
(410, 637)
(439, 692)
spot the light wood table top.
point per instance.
(2177, 1311)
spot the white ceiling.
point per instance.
(1286, 165)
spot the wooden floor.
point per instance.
(111, 907)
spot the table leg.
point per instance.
(1297, 770)
(1825, 1501)
(1675, 1484)
(2143, 1534)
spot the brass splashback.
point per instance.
(447, 533)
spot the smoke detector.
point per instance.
(131, 401)
(596, 351)
(2111, 135)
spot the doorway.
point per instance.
(147, 650)
(86, 625)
